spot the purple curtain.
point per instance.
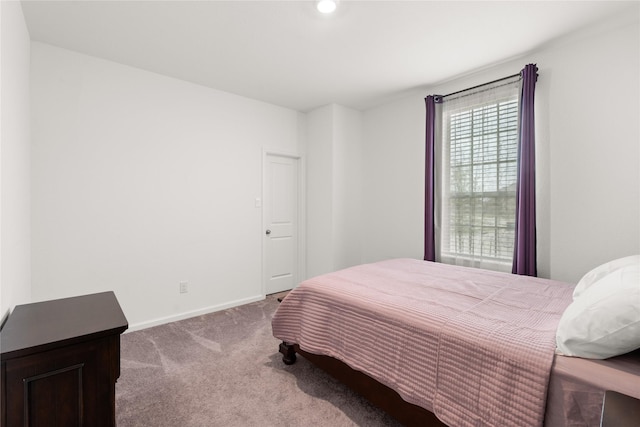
(429, 181)
(524, 253)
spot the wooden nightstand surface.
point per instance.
(36, 327)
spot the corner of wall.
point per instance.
(15, 158)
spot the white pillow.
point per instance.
(605, 320)
(602, 270)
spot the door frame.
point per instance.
(301, 243)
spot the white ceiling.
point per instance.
(288, 54)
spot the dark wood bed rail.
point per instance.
(379, 394)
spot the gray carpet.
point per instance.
(224, 369)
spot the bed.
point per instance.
(435, 344)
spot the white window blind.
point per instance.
(479, 172)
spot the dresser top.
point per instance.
(49, 324)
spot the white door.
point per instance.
(281, 196)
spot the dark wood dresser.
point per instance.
(60, 362)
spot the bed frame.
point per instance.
(379, 394)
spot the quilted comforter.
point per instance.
(473, 346)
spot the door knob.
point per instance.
(268, 232)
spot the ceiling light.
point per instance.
(326, 6)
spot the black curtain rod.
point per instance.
(479, 86)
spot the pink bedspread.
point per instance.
(473, 346)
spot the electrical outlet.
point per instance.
(184, 287)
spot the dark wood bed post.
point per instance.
(288, 350)
(288, 353)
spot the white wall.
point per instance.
(393, 170)
(319, 191)
(334, 189)
(347, 187)
(141, 181)
(588, 154)
(594, 109)
(15, 269)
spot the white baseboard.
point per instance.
(194, 313)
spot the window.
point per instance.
(478, 175)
